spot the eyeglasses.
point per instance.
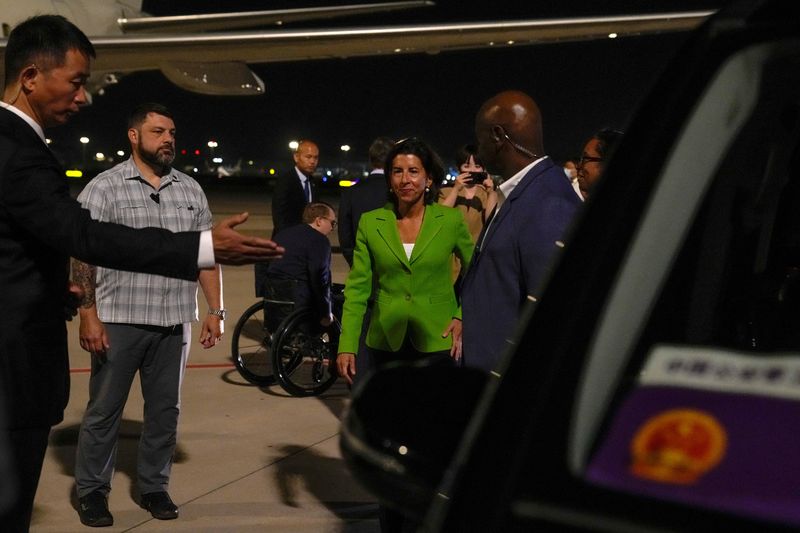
(588, 159)
(333, 222)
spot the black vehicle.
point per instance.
(656, 384)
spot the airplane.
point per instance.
(200, 53)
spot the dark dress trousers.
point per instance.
(366, 195)
(512, 260)
(41, 226)
(288, 201)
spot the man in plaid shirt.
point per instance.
(140, 322)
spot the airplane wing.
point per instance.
(257, 19)
(223, 69)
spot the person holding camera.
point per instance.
(473, 192)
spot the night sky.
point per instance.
(580, 88)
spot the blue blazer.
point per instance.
(512, 260)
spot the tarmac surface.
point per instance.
(248, 458)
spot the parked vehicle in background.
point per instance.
(656, 384)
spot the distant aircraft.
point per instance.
(200, 53)
(223, 171)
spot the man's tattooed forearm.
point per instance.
(84, 275)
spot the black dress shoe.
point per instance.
(93, 510)
(160, 505)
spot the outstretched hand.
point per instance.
(233, 248)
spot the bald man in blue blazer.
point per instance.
(516, 248)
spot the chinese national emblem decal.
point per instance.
(677, 446)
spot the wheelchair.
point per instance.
(273, 343)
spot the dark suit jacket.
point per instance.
(288, 201)
(513, 260)
(366, 195)
(41, 226)
(308, 262)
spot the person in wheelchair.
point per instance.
(303, 274)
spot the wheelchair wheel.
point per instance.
(251, 346)
(304, 354)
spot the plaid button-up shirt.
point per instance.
(121, 195)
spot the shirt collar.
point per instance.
(131, 171)
(32, 123)
(507, 187)
(302, 176)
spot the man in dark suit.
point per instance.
(514, 250)
(304, 271)
(295, 189)
(366, 195)
(41, 226)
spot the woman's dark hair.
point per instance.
(431, 162)
(464, 153)
(608, 140)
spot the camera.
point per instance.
(477, 177)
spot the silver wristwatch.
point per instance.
(217, 312)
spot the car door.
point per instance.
(656, 384)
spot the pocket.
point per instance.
(383, 298)
(134, 216)
(441, 298)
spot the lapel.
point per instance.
(387, 229)
(524, 183)
(431, 226)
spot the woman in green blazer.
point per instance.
(407, 246)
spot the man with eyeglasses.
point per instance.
(534, 207)
(303, 274)
(593, 161)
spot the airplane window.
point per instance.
(706, 407)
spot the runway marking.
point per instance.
(197, 365)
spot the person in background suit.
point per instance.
(366, 195)
(295, 189)
(406, 247)
(306, 265)
(534, 207)
(46, 67)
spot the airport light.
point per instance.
(213, 144)
(612, 35)
(217, 160)
(48, 141)
(100, 156)
(120, 153)
(84, 141)
(345, 148)
(293, 145)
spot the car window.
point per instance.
(693, 378)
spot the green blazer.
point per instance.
(413, 298)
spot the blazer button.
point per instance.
(408, 296)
